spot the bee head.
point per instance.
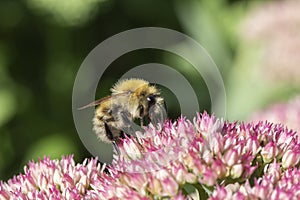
(151, 106)
(148, 102)
(144, 100)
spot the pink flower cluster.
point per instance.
(206, 158)
(275, 24)
(276, 183)
(287, 113)
(53, 179)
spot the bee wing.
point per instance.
(99, 101)
(157, 114)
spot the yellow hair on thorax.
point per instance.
(131, 85)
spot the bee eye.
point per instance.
(151, 100)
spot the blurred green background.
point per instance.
(43, 43)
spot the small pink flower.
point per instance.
(219, 167)
(290, 158)
(269, 152)
(236, 171)
(155, 186)
(231, 157)
(209, 177)
(170, 186)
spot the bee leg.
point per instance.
(129, 127)
(116, 148)
(165, 106)
(125, 118)
(142, 121)
(110, 136)
(123, 135)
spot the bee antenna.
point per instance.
(95, 103)
(82, 108)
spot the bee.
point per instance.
(130, 99)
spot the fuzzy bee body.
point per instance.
(104, 124)
(130, 99)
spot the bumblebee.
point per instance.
(130, 99)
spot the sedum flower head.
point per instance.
(275, 25)
(52, 179)
(276, 183)
(206, 158)
(287, 113)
